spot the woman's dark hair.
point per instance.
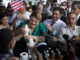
(68, 15)
(58, 9)
(2, 16)
(2, 9)
(37, 15)
(76, 3)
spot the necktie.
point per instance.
(68, 11)
(52, 23)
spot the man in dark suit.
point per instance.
(76, 9)
(78, 22)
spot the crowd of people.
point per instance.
(35, 28)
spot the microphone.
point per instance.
(48, 35)
(48, 39)
(67, 38)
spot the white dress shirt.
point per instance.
(56, 26)
(68, 30)
(69, 10)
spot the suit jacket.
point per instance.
(78, 22)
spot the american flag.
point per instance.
(17, 4)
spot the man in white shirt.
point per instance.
(76, 9)
(55, 24)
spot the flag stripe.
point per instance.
(13, 2)
(20, 6)
(16, 5)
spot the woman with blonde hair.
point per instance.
(37, 28)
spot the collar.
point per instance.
(71, 28)
(57, 20)
(69, 9)
(78, 16)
